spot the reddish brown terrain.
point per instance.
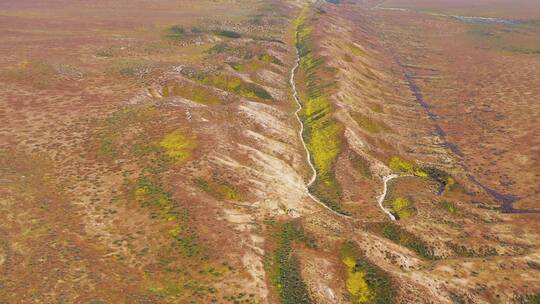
(155, 152)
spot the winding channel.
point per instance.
(381, 198)
(313, 178)
(301, 134)
(466, 19)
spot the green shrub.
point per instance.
(402, 237)
(175, 32)
(229, 34)
(365, 282)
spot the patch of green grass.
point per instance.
(192, 92)
(284, 270)
(322, 134)
(369, 124)
(235, 85)
(402, 237)
(178, 146)
(403, 207)
(219, 189)
(365, 282)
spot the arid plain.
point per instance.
(269, 151)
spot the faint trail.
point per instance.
(301, 133)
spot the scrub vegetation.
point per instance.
(402, 237)
(283, 265)
(405, 167)
(235, 85)
(365, 282)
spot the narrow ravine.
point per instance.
(313, 178)
(301, 134)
